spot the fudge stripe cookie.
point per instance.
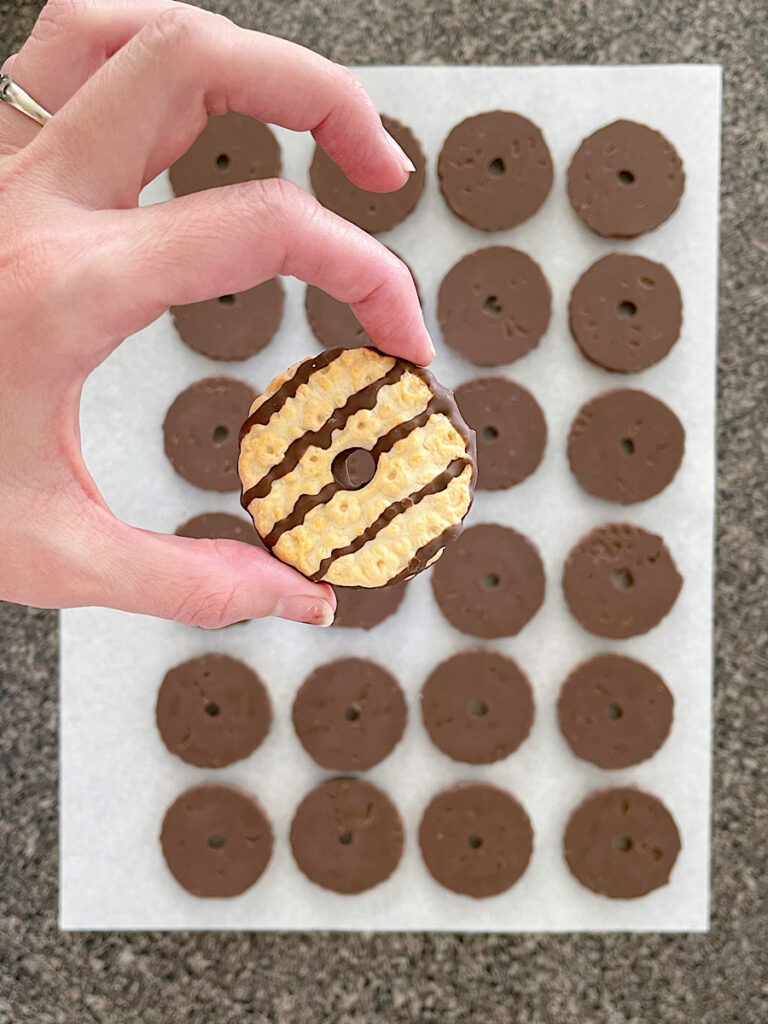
(357, 468)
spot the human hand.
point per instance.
(131, 86)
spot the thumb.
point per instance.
(208, 583)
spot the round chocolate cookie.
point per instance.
(358, 608)
(490, 583)
(625, 179)
(201, 431)
(621, 843)
(357, 468)
(232, 327)
(333, 323)
(476, 839)
(373, 211)
(212, 710)
(216, 840)
(231, 148)
(349, 714)
(219, 526)
(614, 711)
(620, 581)
(477, 707)
(625, 312)
(495, 170)
(624, 446)
(347, 835)
(494, 306)
(510, 428)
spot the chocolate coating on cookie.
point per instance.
(327, 524)
(625, 312)
(372, 211)
(495, 170)
(232, 327)
(216, 840)
(614, 711)
(201, 431)
(476, 839)
(349, 714)
(212, 710)
(361, 608)
(220, 526)
(347, 835)
(621, 843)
(490, 582)
(231, 148)
(494, 306)
(510, 428)
(477, 707)
(625, 446)
(625, 179)
(620, 581)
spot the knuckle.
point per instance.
(207, 608)
(284, 202)
(351, 86)
(177, 26)
(60, 17)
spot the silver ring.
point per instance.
(16, 97)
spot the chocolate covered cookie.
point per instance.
(477, 707)
(614, 711)
(347, 835)
(358, 608)
(372, 211)
(476, 839)
(494, 306)
(510, 428)
(490, 583)
(621, 843)
(216, 840)
(625, 312)
(349, 714)
(219, 526)
(625, 179)
(232, 327)
(357, 468)
(624, 446)
(620, 581)
(212, 710)
(201, 430)
(231, 148)
(495, 170)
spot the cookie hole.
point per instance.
(345, 838)
(622, 579)
(627, 445)
(352, 713)
(491, 306)
(227, 300)
(625, 177)
(477, 707)
(496, 167)
(220, 434)
(353, 468)
(489, 433)
(622, 843)
(217, 840)
(626, 309)
(474, 842)
(614, 711)
(491, 581)
(222, 161)
(212, 709)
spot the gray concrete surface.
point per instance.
(300, 979)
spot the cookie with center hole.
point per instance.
(232, 327)
(231, 148)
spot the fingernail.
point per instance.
(402, 157)
(305, 609)
(431, 347)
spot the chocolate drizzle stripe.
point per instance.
(425, 553)
(386, 443)
(364, 399)
(437, 484)
(273, 404)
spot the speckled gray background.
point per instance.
(369, 979)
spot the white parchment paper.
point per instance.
(117, 778)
